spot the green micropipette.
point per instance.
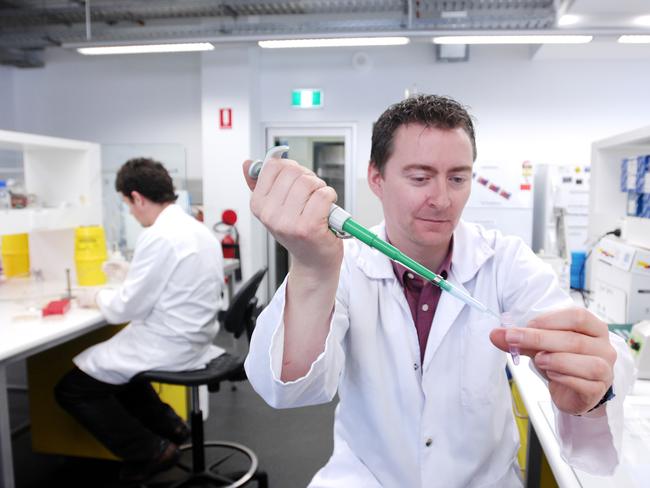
(341, 222)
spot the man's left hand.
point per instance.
(87, 296)
(571, 349)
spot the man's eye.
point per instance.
(418, 178)
(459, 180)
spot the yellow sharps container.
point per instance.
(15, 255)
(89, 254)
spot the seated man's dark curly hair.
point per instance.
(147, 177)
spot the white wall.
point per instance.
(114, 99)
(229, 80)
(6, 98)
(545, 110)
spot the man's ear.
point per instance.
(375, 180)
(136, 198)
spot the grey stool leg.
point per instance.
(198, 473)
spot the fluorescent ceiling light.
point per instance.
(146, 48)
(523, 39)
(643, 20)
(335, 42)
(568, 19)
(634, 39)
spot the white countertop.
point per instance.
(23, 332)
(635, 458)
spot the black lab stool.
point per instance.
(219, 369)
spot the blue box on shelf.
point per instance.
(642, 184)
(633, 204)
(644, 205)
(578, 270)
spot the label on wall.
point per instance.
(225, 118)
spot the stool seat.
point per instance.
(219, 369)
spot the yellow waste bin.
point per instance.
(15, 255)
(89, 254)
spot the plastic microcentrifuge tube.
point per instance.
(508, 322)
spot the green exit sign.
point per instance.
(306, 98)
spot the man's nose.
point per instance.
(438, 195)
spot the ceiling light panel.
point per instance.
(334, 42)
(522, 39)
(146, 48)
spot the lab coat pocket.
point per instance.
(481, 363)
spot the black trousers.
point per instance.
(130, 420)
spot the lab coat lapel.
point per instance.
(446, 314)
(376, 266)
(471, 251)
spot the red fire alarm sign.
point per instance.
(225, 118)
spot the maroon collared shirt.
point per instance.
(422, 297)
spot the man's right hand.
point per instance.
(293, 204)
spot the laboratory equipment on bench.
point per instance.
(56, 307)
(639, 342)
(620, 281)
(343, 225)
(15, 255)
(89, 255)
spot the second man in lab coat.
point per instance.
(169, 298)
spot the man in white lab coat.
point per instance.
(170, 296)
(424, 399)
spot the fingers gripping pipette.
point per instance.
(342, 223)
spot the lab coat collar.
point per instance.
(471, 251)
(168, 212)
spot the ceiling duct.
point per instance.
(29, 25)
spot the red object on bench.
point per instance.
(56, 307)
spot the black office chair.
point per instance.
(238, 318)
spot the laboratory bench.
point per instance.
(634, 468)
(25, 335)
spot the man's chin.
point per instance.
(430, 239)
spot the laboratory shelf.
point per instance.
(607, 203)
(27, 220)
(64, 176)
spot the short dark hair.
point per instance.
(429, 110)
(147, 177)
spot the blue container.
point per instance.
(644, 206)
(578, 270)
(634, 204)
(642, 170)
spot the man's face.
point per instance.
(425, 186)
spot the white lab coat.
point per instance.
(447, 422)
(170, 296)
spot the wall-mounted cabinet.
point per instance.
(607, 203)
(64, 178)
